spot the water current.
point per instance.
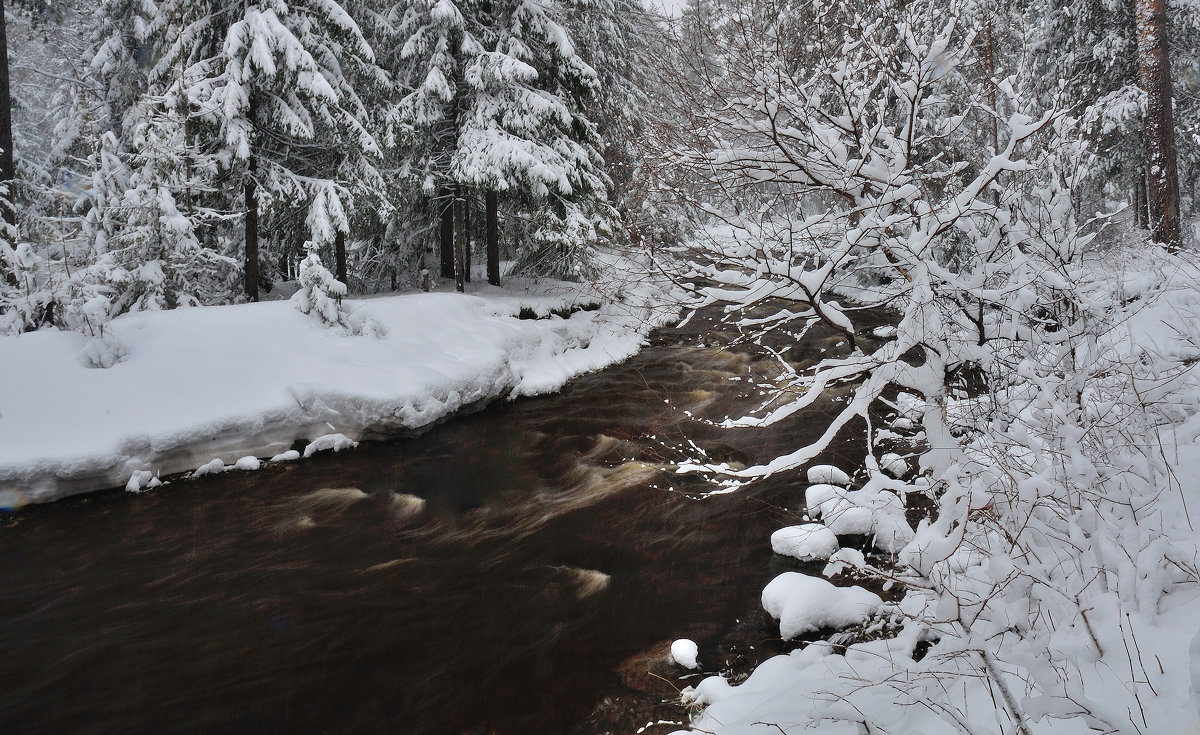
(519, 570)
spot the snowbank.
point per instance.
(224, 383)
(1134, 646)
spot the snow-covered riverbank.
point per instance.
(1089, 622)
(233, 382)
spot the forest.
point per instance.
(986, 210)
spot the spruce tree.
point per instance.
(284, 90)
(496, 102)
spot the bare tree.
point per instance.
(835, 158)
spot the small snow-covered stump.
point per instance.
(807, 542)
(803, 604)
(684, 652)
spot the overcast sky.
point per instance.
(671, 7)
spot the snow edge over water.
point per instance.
(252, 379)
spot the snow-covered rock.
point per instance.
(848, 519)
(329, 442)
(893, 464)
(807, 542)
(827, 474)
(212, 467)
(820, 499)
(875, 513)
(803, 604)
(683, 652)
(248, 464)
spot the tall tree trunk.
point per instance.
(990, 58)
(339, 249)
(251, 195)
(447, 233)
(460, 236)
(466, 205)
(492, 205)
(1139, 202)
(8, 172)
(1162, 189)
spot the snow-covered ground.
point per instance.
(1114, 648)
(237, 382)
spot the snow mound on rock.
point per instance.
(893, 464)
(683, 652)
(876, 513)
(803, 604)
(806, 542)
(335, 442)
(827, 473)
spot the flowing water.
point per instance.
(520, 570)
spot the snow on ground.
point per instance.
(211, 386)
(1135, 649)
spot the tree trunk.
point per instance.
(8, 171)
(492, 204)
(1139, 202)
(447, 234)
(339, 249)
(1162, 186)
(466, 205)
(251, 234)
(251, 196)
(990, 58)
(460, 237)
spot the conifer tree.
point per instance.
(280, 86)
(496, 103)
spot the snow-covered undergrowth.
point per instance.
(192, 385)
(1056, 589)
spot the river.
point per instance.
(519, 570)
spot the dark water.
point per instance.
(531, 592)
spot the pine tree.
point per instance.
(496, 103)
(282, 87)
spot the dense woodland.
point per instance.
(1008, 184)
(179, 153)
(183, 153)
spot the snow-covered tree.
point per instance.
(276, 87)
(496, 102)
(320, 294)
(843, 181)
